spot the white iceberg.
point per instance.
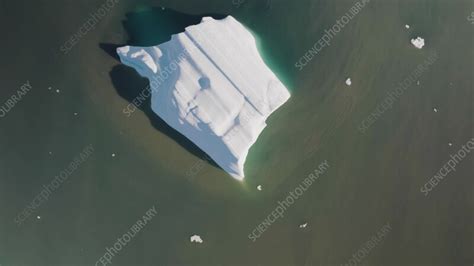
(211, 84)
(196, 238)
(418, 42)
(303, 225)
(348, 82)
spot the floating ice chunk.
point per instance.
(435, 110)
(113, 154)
(450, 144)
(303, 225)
(211, 85)
(418, 42)
(407, 26)
(196, 238)
(38, 217)
(259, 187)
(348, 81)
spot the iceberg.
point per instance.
(348, 82)
(418, 42)
(196, 238)
(211, 84)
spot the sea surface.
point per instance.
(78, 95)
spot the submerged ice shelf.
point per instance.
(211, 85)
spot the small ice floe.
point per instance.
(38, 217)
(418, 82)
(113, 154)
(196, 238)
(50, 153)
(348, 81)
(259, 187)
(75, 113)
(57, 91)
(435, 110)
(418, 42)
(450, 144)
(49, 88)
(162, 8)
(303, 225)
(407, 26)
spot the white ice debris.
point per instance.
(407, 26)
(450, 144)
(113, 154)
(38, 217)
(303, 225)
(418, 42)
(348, 81)
(259, 187)
(57, 91)
(435, 110)
(196, 238)
(211, 85)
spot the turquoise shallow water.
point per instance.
(373, 179)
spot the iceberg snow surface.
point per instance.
(210, 84)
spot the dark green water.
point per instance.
(374, 178)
